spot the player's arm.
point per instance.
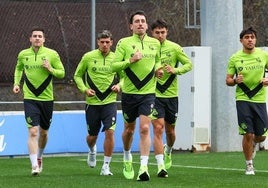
(187, 65)
(265, 80)
(120, 61)
(158, 66)
(78, 76)
(18, 75)
(55, 67)
(230, 80)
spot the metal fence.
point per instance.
(68, 30)
(68, 27)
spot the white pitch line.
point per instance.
(194, 167)
(217, 168)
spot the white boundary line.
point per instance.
(194, 167)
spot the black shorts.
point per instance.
(252, 118)
(135, 105)
(166, 108)
(98, 115)
(38, 113)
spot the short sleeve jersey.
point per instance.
(172, 54)
(96, 68)
(135, 74)
(30, 63)
(252, 67)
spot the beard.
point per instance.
(249, 48)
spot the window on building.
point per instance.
(192, 14)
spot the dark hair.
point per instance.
(37, 28)
(160, 23)
(138, 12)
(249, 30)
(105, 34)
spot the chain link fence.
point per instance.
(68, 30)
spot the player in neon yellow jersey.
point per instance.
(246, 71)
(166, 103)
(100, 88)
(139, 59)
(39, 64)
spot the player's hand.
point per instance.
(47, 65)
(136, 57)
(169, 69)
(239, 79)
(159, 73)
(116, 88)
(264, 82)
(90, 92)
(16, 89)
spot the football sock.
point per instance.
(107, 160)
(249, 162)
(160, 159)
(127, 155)
(33, 158)
(168, 149)
(40, 153)
(92, 150)
(144, 160)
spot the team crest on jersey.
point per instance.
(94, 69)
(240, 69)
(26, 58)
(151, 47)
(258, 60)
(133, 47)
(168, 54)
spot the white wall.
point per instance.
(194, 120)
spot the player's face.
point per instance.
(139, 25)
(160, 33)
(248, 41)
(105, 45)
(37, 39)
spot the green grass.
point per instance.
(223, 169)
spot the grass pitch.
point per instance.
(222, 169)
